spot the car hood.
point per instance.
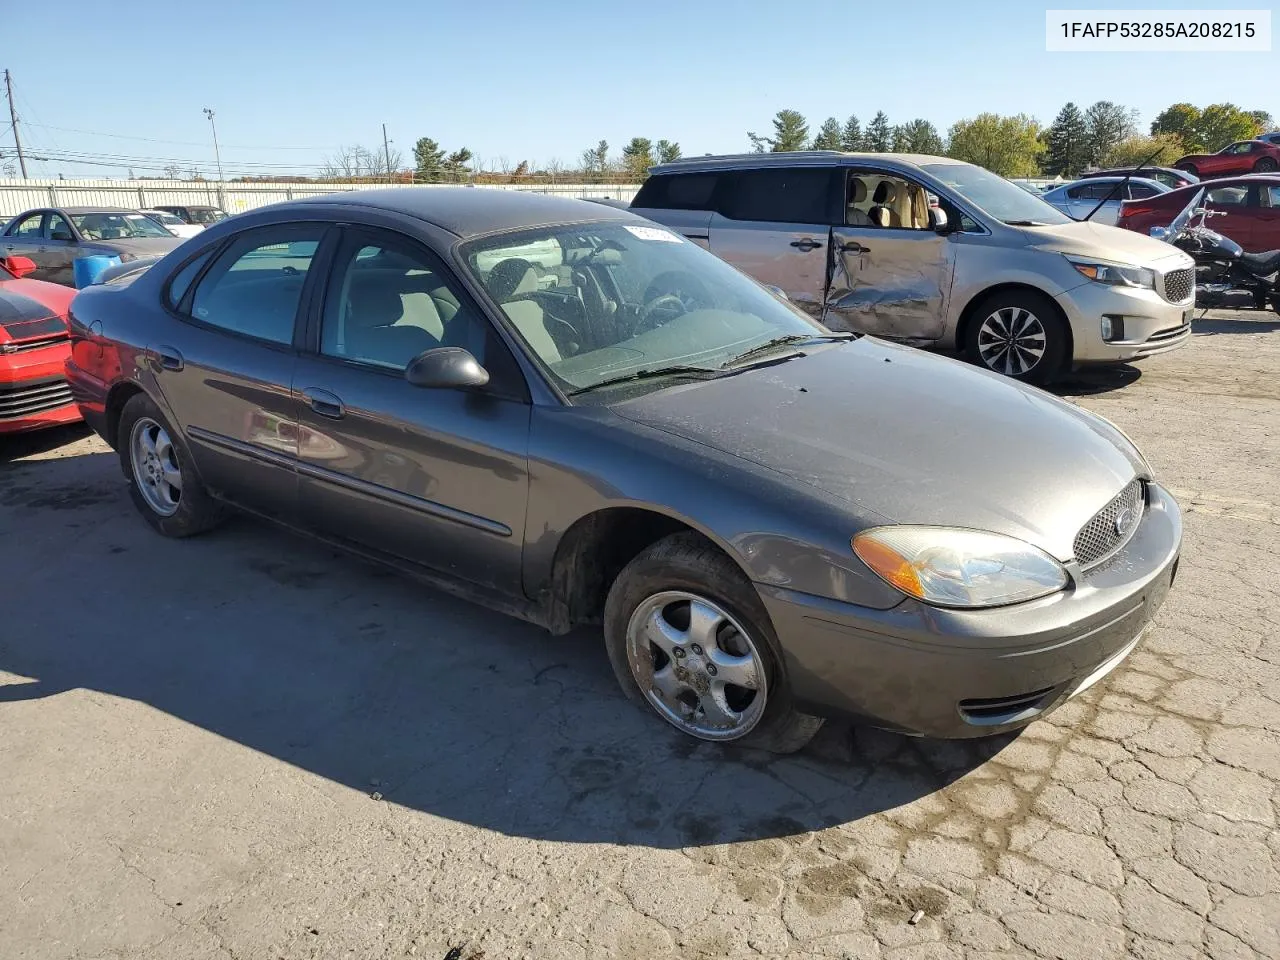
(1105, 242)
(31, 309)
(142, 246)
(913, 437)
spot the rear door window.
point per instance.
(1228, 196)
(28, 227)
(798, 195)
(679, 191)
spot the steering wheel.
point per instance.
(668, 296)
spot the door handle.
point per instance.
(853, 246)
(807, 244)
(324, 403)
(168, 358)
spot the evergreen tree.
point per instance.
(828, 137)
(1068, 145)
(851, 136)
(879, 136)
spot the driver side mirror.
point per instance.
(938, 220)
(19, 266)
(445, 367)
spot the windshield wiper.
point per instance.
(783, 341)
(1026, 223)
(675, 370)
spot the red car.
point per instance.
(1250, 207)
(34, 346)
(1247, 156)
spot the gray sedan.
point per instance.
(56, 237)
(579, 417)
(1077, 200)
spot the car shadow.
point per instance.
(1211, 326)
(19, 445)
(1093, 380)
(376, 682)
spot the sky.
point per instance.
(292, 81)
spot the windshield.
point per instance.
(165, 218)
(995, 195)
(599, 301)
(118, 226)
(206, 214)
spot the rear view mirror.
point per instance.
(19, 266)
(938, 219)
(444, 367)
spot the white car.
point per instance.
(173, 224)
(1078, 199)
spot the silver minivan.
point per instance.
(933, 252)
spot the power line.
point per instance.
(184, 143)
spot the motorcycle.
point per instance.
(1226, 276)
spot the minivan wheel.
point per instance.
(162, 481)
(1019, 334)
(688, 636)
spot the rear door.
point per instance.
(25, 238)
(59, 250)
(1235, 206)
(774, 224)
(226, 366)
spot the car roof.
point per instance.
(1163, 188)
(796, 158)
(1121, 171)
(470, 211)
(77, 211)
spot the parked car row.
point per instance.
(578, 416)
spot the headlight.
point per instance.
(951, 567)
(1114, 274)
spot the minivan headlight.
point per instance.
(1114, 274)
(953, 567)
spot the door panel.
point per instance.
(889, 282)
(791, 256)
(439, 477)
(1266, 221)
(1236, 204)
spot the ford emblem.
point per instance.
(1124, 519)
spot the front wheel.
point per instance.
(1019, 334)
(687, 635)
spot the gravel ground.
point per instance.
(247, 746)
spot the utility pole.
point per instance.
(386, 151)
(13, 117)
(218, 156)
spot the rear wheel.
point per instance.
(162, 482)
(687, 635)
(1265, 165)
(1020, 334)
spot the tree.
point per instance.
(1066, 143)
(1224, 123)
(1263, 119)
(790, 132)
(428, 160)
(668, 151)
(521, 171)
(918, 136)
(352, 163)
(1132, 151)
(1009, 146)
(828, 137)
(455, 164)
(1180, 120)
(637, 157)
(851, 135)
(595, 160)
(1107, 124)
(879, 135)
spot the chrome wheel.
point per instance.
(155, 466)
(696, 665)
(1011, 341)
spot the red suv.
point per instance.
(1251, 208)
(1246, 156)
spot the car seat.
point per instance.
(507, 282)
(883, 214)
(371, 330)
(856, 217)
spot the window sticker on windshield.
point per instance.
(651, 233)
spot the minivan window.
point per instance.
(995, 195)
(797, 195)
(684, 191)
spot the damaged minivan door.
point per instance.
(892, 261)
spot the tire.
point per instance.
(1019, 310)
(176, 509)
(1189, 168)
(665, 581)
(1265, 165)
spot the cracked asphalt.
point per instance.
(248, 746)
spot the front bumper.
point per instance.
(1152, 324)
(33, 390)
(968, 673)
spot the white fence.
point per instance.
(17, 196)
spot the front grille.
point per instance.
(1111, 526)
(1179, 285)
(25, 399)
(32, 344)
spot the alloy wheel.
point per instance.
(155, 466)
(1011, 341)
(696, 665)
